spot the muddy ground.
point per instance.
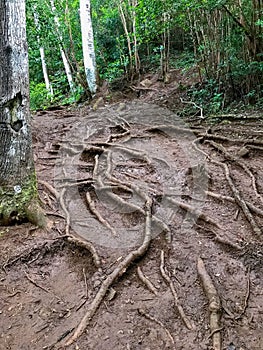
(129, 185)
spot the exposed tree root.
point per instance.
(99, 217)
(153, 319)
(129, 207)
(238, 198)
(246, 298)
(52, 213)
(198, 149)
(140, 88)
(47, 199)
(194, 104)
(193, 211)
(118, 272)
(223, 198)
(255, 147)
(63, 206)
(87, 245)
(228, 139)
(234, 117)
(215, 331)
(76, 240)
(237, 161)
(129, 187)
(178, 306)
(51, 189)
(214, 304)
(122, 106)
(118, 136)
(121, 204)
(132, 151)
(171, 128)
(146, 281)
(78, 182)
(222, 240)
(225, 241)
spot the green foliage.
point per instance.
(208, 97)
(39, 96)
(184, 60)
(70, 98)
(114, 71)
(223, 38)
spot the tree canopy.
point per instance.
(223, 39)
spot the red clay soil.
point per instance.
(110, 176)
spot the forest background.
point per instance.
(222, 40)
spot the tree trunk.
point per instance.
(80, 77)
(17, 175)
(88, 45)
(133, 6)
(125, 27)
(42, 55)
(62, 51)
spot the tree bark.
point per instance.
(88, 45)
(17, 174)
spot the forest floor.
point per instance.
(155, 235)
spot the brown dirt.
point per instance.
(48, 283)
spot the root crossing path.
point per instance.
(156, 240)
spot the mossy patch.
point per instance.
(16, 200)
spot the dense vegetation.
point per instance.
(222, 39)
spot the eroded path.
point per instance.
(152, 217)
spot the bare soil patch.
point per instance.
(156, 240)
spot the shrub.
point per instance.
(40, 98)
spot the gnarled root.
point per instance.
(214, 304)
(118, 272)
(187, 322)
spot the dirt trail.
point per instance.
(133, 186)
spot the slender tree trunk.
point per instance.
(79, 75)
(42, 55)
(128, 17)
(88, 45)
(62, 52)
(17, 175)
(166, 49)
(134, 4)
(195, 45)
(125, 27)
(45, 72)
